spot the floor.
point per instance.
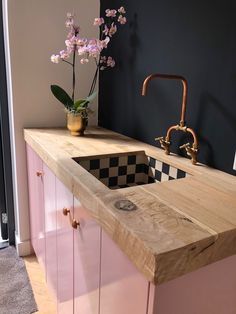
(44, 300)
(1, 240)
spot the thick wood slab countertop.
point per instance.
(179, 226)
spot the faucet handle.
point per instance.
(191, 152)
(185, 146)
(160, 138)
(164, 144)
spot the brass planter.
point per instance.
(76, 124)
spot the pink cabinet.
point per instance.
(86, 262)
(123, 289)
(208, 290)
(65, 249)
(89, 274)
(50, 229)
(36, 204)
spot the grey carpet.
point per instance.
(16, 295)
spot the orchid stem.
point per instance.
(73, 84)
(95, 77)
(67, 62)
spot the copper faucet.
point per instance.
(165, 142)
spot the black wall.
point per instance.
(196, 39)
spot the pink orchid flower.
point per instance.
(55, 58)
(81, 42)
(111, 13)
(105, 42)
(122, 10)
(98, 21)
(103, 59)
(122, 19)
(90, 48)
(110, 62)
(82, 50)
(65, 54)
(84, 61)
(106, 30)
(112, 30)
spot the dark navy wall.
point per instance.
(196, 39)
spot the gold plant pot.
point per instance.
(76, 124)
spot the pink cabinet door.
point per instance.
(86, 262)
(36, 204)
(64, 200)
(50, 229)
(123, 289)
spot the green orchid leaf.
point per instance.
(62, 96)
(85, 104)
(81, 103)
(92, 97)
(78, 103)
(79, 109)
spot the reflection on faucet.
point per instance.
(165, 142)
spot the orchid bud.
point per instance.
(84, 60)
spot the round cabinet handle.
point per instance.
(39, 173)
(65, 211)
(75, 224)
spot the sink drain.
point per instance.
(125, 205)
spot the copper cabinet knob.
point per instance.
(65, 211)
(39, 173)
(75, 224)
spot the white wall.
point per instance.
(35, 29)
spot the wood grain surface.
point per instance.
(179, 226)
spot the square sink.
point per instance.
(124, 170)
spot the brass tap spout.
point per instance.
(170, 77)
(165, 142)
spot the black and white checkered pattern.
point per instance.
(128, 170)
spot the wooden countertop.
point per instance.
(179, 226)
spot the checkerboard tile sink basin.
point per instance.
(123, 170)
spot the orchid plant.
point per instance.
(86, 50)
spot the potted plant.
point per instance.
(85, 49)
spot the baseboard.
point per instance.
(3, 244)
(23, 248)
